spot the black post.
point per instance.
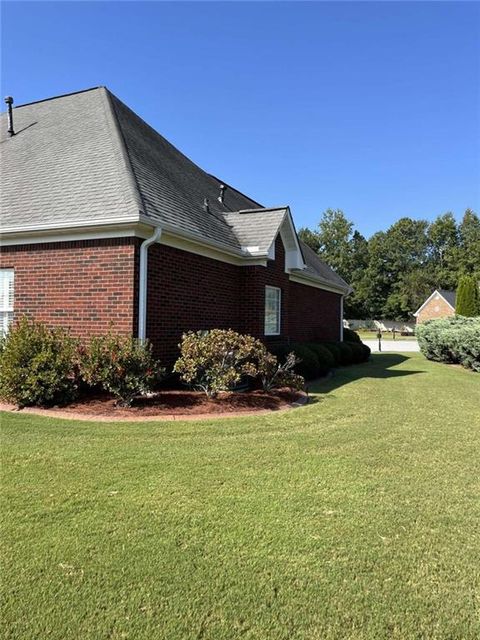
(9, 102)
(379, 336)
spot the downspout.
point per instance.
(341, 318)
(142, 285)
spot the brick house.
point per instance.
(441, 304)
(106, 225)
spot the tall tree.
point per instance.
(469, 231)
(310, 238)
(468, 299)
(443, 249)
(334, 232)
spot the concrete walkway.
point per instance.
(400, 346)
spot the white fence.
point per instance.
(384, 325)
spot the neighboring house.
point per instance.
(440, 304)
(106, 225)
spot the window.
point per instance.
(272, 311)
(6, 299)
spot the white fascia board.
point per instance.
(317, 283)
(73, 234)
(69, 225)
(191, 246)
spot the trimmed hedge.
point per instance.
(327, 361)
(335, 351)
(451, 340)
(309, 366)
(351, 336)
(346, 353)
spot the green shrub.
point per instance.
(121, 365)
(451, 340)
(37, 365)
(325, 358)
(351, 336)
(309, 365)
(280, 351)
(335, 351)
(357, 352)
(275, 375)
(346, 353)
(217, 360)
(366, 352)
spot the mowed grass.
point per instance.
(386, 335)
(356, 517)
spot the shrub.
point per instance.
(325, 358)
(37, 365)
(217, 360)
(346, 353)
(281, 351)
(468, 297)
(121, 365)
(274, 374)
(451, 340)
(366, 352)
(358, 354)
(308, 365)
(335, 350)
(351, 336)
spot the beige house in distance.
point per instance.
(441, 304)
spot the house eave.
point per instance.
(319, 283)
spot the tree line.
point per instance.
(393, 272)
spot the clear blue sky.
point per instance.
(373, 108)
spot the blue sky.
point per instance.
(371, 107)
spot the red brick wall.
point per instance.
(436, 308)
(188, 292)
(82, 285)
(314, 314)
(86, 285)
(254, 280)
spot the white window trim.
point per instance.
(279, 311)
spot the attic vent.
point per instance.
(9, 102)
(222, 193)
(206, 205)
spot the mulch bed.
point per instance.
(177, 404)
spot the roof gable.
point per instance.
(448, 296)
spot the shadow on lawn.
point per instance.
(379, 366)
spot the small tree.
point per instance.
(468, 298)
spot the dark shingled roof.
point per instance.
(87, 159)
(450, 296)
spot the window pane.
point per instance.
(6, 289)
(272, 310)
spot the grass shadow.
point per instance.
(380, 366)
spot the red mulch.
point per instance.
(183, 403)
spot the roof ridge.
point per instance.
(62, 95)
(117, 133)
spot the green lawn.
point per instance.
(356, 517)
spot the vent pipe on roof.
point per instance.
(222, 193)
(206, 205)
(9, 102)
